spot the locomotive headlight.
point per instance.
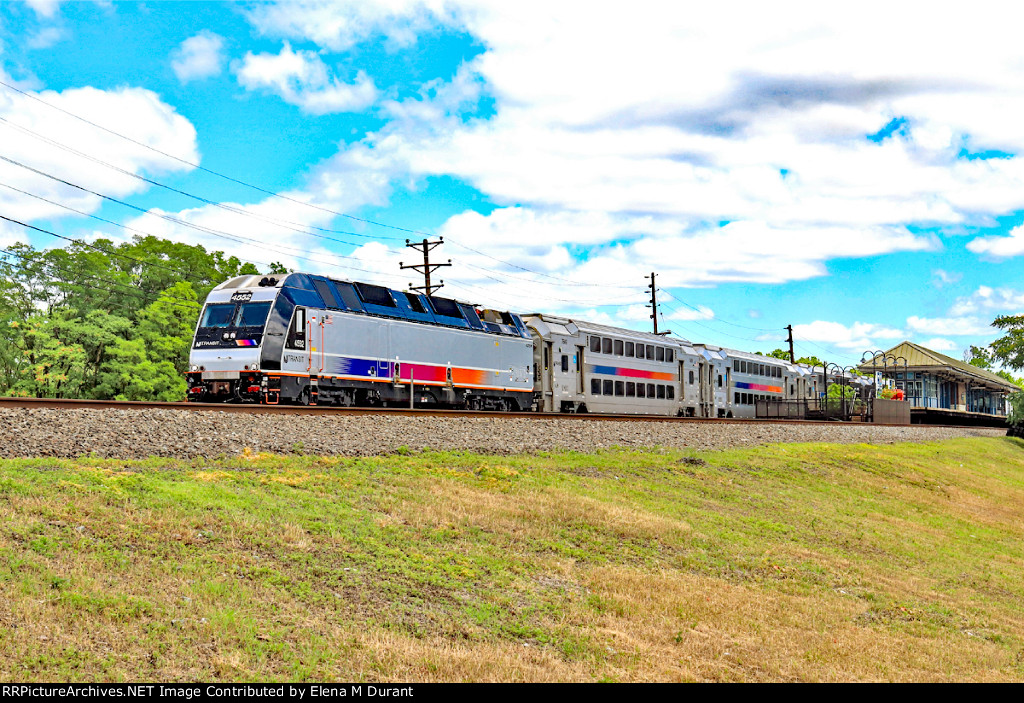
(195, 368)
(255, 367)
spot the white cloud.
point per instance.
(767, 130)
(940, 344)
(857, 337)
(46, 37)
(132, 111)
(200, 56)
(948, 325)
(990, 301)
(999, 247)
(338, 25)
(942, 278)
(301, 78)
(44, 8)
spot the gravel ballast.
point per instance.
(137, 434)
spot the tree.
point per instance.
(1009, 349)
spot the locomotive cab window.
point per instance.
(218, 315)
(252, 314)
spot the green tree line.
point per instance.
(104, 320)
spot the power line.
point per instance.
(124, 288)
(249, 185)
(237, 238)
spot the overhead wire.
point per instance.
(123, 288)
(266, 191)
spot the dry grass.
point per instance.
(811, 563)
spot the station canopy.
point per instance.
(921, 359)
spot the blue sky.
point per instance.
(856, 177)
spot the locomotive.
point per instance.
(308, 339)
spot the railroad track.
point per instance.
(55, 403)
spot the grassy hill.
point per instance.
(788, 562)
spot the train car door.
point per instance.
(704, 374)
(548, 384)
(578, 358)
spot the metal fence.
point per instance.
(813, 409)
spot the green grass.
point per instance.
(811, 562)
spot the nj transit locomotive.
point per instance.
(308, 339)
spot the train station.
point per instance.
(940, 389)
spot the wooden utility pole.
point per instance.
(792, 357)
(654, 305)
(426, 268)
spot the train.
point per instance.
(309, 339)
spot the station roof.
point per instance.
(922, 359)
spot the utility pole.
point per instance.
(654, 305)
(426, 268)
(792, 357)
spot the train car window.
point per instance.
(415, 304)
(606, 345)
(326, 293)
(792, 390)
(609, 387)
(218, 315)
(650, 390)
(565, 363)
(670, 391)
(778, 372)
(641, 390)
(650, 351)
(661, 392)
(375, 295)
(669, 355)
(346, 292)
(736, 365)
(743, 367)
(595, 344)
(619, 347)
(639, 351)
(736, 398)
(595, 386)
(691, 378)
(719, 380)
(660, 353)
(761, 369)
(445, 306)
(547, 360)
(629, 349)
(630, 389)
(620, 388)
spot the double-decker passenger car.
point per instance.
(586, 367)
(309, 339)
